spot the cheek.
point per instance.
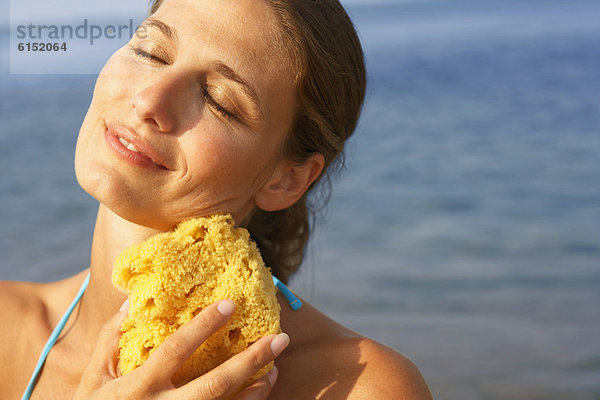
(110, 97)
(213, 154)
(115, 79)
(229, 160)
(110, 90)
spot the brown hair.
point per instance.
(330, 82)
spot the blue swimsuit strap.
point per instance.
(293, 301)
(52, 340)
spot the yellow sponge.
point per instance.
(172, 276)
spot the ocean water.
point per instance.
(463, 232)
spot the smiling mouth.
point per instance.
(129, 146)
(127, 150)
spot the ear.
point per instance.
(288, 182)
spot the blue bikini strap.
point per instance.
(52, 340)
(292, 300)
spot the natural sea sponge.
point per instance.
(172, 276)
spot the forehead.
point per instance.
(244, 33)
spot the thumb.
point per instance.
(103, 362)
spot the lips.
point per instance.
(128, 146)
(131, 147)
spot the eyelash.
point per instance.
(205, 95)
(145, 55)
(218, 107)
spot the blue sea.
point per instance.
(465, 229)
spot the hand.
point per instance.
(152, 380)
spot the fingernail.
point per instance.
(125, 305)
(272, 375)
(279, 343)
(226, 307)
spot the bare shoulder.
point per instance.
(18, 300)
(387, 374)
(34, 305)
(326, 360)
(22, 309)
(29, 313)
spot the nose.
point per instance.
(162, 102)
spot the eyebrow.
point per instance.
(220, 67)
(161, 26)
(248, 89)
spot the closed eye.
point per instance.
(146, 55)
(205, 94)
(216, 105)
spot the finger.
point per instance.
(259, 389)
(103, 362)
(178, 347)
(233, 373)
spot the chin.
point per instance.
(113, 192)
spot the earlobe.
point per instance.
(288, 183)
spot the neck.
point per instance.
(102, 300)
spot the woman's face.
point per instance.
(188, 119)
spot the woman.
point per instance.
(212, 106)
